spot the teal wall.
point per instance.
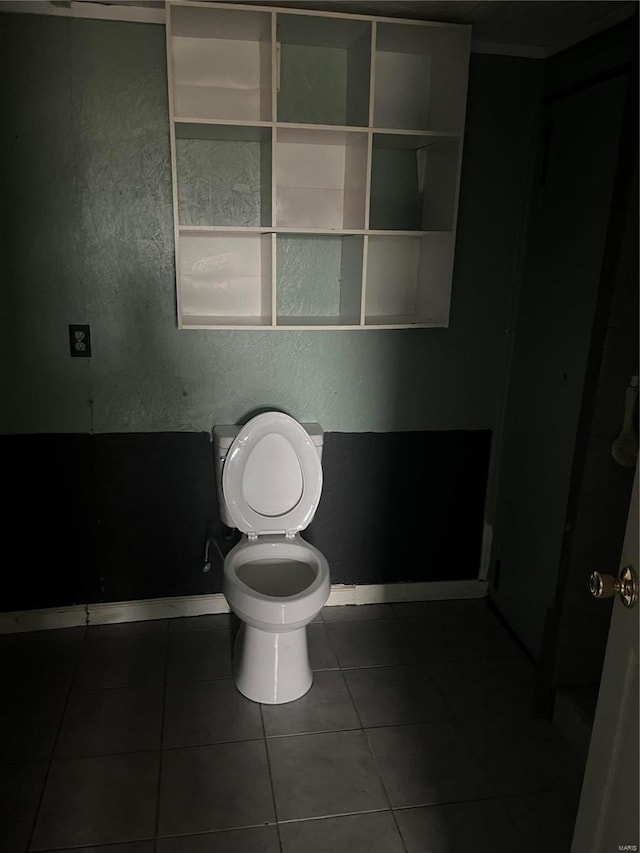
(87, 238)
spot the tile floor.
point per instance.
(418, 736)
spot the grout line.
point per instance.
(440, 692)
(527, 842)
(99, 846)
(271, 785)
(204, 832)
(162, 721)
(314, 732)
(375, 762)
(327, 634)
(487, 799)
(333, 815)
(56, 739)
(423, 723)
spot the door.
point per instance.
(607, 820)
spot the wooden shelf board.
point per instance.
(205, 322)
(227, 121)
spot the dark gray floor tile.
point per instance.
(98, 801)
(459, 639)
(584, 699)
(350, 612)
(362, 833)
(29, 725)
(199, 655)
(133, 847)
(321, 654)
(208, 622)
(323, 775)
(200, 712)
(128, 629)
(134, 661)
(33, 671)
(214, 787)
(488, 688)
(371, 643)
(442, 611)
(394, 695)
(44, 639)
(546, 820)
(523, 755)
(99, 722)
(259, 839)
(326, 707)
(40, 662)
(20, 790)
(481, 827)
(427, 764)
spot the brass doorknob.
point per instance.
(626, 585)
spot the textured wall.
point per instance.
(86, 186)
(220, 183)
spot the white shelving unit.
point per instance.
(316, 164)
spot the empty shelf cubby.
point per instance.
(319, 279)
(221, 63)
(323, 70)
(404, 282)
(321, 178)
(420, 77)
(224, 175)
(225, 278)
(413, 182)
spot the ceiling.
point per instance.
(535, 28)
(548, 24)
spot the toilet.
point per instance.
(269, 478)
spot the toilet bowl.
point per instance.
(270, 480)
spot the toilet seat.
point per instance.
(272, 477)
(260, 607)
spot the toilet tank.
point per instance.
(223, 437)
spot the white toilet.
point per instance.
(269, 477)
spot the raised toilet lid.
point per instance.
(272, 476)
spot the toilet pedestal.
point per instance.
(271, 668)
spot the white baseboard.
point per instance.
(200, 605)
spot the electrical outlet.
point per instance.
(80, 341)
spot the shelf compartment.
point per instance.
(319, 279)
(321, 179)
(408, 280)
(221, 62)
(225, 278)
(413, 182)
(323, 70)
(420, 77)
(224, 174)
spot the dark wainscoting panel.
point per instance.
(127, 516)
(48, 486)
(402, 506)
(156, 503)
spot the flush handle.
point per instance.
(606, 586)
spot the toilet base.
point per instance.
(271, 668)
